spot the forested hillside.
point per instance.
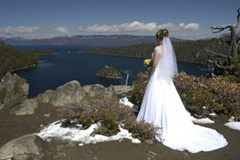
(185, 50)
(12, 59)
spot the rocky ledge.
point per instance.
(109, 72)
(14, 91)
(14, 103)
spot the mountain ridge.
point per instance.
(84, 39)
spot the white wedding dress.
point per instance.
(163, 107)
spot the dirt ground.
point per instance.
(12, 126)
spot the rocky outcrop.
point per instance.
(27, 107)
(13, 89)
(29, 146)
(97, 90)
(45, 97)
(109, 72)
(122, 91)
(71, 92)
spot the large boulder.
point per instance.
(122, 91)
(13, 89)
(45, 97)
(29, 146)
(71, 92)
(27, 107)
(98, 90)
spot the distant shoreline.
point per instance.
(129, 56)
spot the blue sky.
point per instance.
(187, 19)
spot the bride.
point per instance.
(163, 107)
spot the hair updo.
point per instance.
(161, 34)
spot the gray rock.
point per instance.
(12, 89)
(27, 107)
(96, 90)
(109, 91)
(153, 153)
(45, 97)
(70, 92)
(86, 88)
(149, 141)
(122, 90)
(29, 146)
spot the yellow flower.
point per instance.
(148, 62)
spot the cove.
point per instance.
(67, 65)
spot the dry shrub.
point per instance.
(109, 113)
(200, 95)
(141, 130)
(139, 87)
(203, 95)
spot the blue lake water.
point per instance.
(66, 65)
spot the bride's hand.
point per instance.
(149, 69)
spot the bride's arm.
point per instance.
(155, 61)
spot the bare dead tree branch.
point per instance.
(217, 55)
(128, 73)
(212, 64)
(210, 61)
(223, 67)
(238, 41)
(215, 66)
(220, 29)
(238, 17)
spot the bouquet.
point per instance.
(148, 63)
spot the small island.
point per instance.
(109, 72)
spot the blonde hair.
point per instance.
(161, 33)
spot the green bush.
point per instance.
(203, 95)
(141, 130)
(200, 95)
(234, 74)
(139, 87)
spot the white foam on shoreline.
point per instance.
(54, 130)
(233, 124)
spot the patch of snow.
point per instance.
(213, 114)
(233, 124)
(54, 130)
(201, 120)
(47, 115)
(125, 101)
